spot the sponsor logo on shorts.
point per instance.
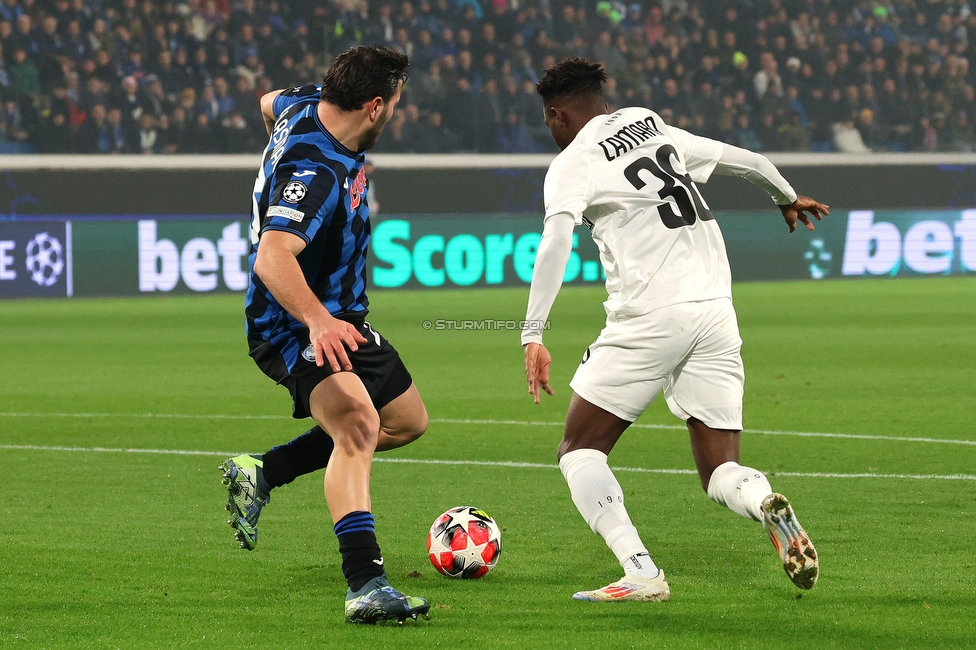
(294, 191)
(586, 356)
(288, 213)
(309, 353)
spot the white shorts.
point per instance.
(690, 350)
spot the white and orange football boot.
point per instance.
(630, 587)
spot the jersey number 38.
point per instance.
(678, 191)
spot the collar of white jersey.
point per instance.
(599, 120)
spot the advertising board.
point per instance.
(92, 255)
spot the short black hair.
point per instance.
(361, 73)
(572, 77)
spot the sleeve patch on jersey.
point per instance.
(288, 213)
(294, 192)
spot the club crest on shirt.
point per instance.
(357, 190)
(294, 191)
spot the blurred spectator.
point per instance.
(201, 137)
(926, 137)
(120, 138)
(93, 135)
(236, 135)
(26, 80)
(962, 137)
(166, 137)
(461, 117)
(874, 135)
(745, 136)
(54, 133)
(768, 81)
(433, 137)
(766, 132)
(14, 130)
(847, 139)
(155, 101)
(513, 137)
(149, 141)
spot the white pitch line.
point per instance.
(492, 463)
(764, 432)
(523, 423)
(131, 450)
(179, 416)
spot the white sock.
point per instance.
(640, 565)
(741, 489)
(600, 500)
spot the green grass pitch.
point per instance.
(118, 549)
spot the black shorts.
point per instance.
(376, 363)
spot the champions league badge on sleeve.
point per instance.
(294, 191)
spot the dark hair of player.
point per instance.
(572, 77)
(361, 73)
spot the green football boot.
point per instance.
(377, 602)
(248, 494)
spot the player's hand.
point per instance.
(537, 363)
(330, 337)
(797, 210)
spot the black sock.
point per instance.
(303, 455)
(361, 558)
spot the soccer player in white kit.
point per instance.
(630, 178)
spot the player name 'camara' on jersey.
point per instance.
(631, 179)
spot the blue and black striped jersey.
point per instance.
(313, 187)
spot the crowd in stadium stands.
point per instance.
(167, 76)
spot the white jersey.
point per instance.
(631, 179)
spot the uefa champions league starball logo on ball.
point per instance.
(45, 259)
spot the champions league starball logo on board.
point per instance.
(819, 259)
(45, 259)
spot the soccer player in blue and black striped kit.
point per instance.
(306, 317)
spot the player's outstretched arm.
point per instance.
(756, 168)
(797, 210)
(537, 364)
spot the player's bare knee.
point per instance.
(360, 431)
(420, 426)
(407, 432)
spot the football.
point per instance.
(464, 542)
